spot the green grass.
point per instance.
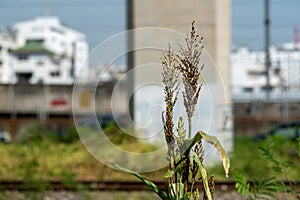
(45, 158)
(52, 160)
(249, 161)
(38, 156)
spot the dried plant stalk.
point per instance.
(189, 67)
(170, 79)
(185, 155)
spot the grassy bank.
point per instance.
(49, 159)
(40, 155)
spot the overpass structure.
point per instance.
(257, 113)
(22, 104)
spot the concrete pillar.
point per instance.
(212, 22)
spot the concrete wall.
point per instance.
(254, 118)
(212, 22)
(57, 99)
(24, 104)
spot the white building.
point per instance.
(7, 42)
(104, 73)
(51, 53)
(248, 70)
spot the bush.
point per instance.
(38, 132)
(35, 132)
(116, 135)
(68, 136)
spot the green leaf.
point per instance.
(144, 180)
(189, 143)
(268, 188)
(242, 186)
(267, 153)
(203, 175)
(180, 193)
(169, 174)
(216, 143)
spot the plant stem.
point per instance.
(187, 168)
(190, 128)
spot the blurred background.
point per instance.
(45, 46)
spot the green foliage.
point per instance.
(241, 183)
(203, 173)
(268, 153)
(298, 146)
(116, 135)
(69, 136)
(216, 143)
(248, 159)
(260, 189)
(39, 132)
(49, 159)
(171, 173)
(68, 179)
(35, 132)
(267, 187)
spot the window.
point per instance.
(23, 57)
(57, 30)
(35, 41)
(265, 88)
(1, 63)
(40, 63)
(248, 89)
(55, 74)
(0, 48)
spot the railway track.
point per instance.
(102, 185)
(93, 185)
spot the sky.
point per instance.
(100, 19)
(247, 21)
(97, 19)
